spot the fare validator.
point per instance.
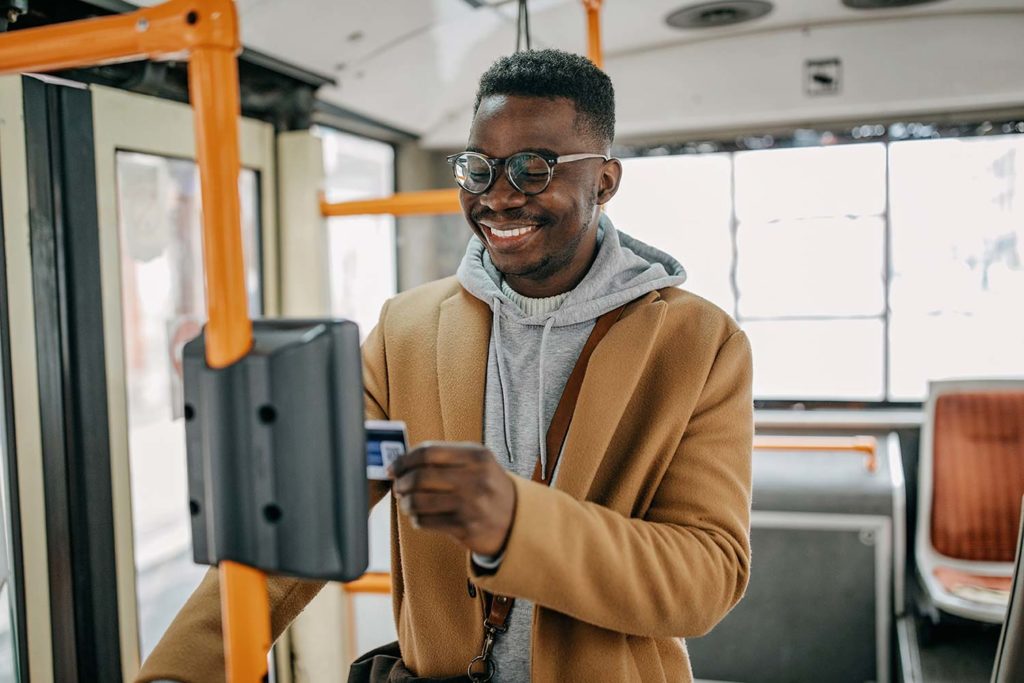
(279, 453)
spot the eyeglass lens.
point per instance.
(528, 172)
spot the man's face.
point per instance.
(558, 226)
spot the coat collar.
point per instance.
(463, 337)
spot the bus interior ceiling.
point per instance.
(842, 177)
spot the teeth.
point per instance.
(514, 232)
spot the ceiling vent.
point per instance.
(718, 14)
(883, 4)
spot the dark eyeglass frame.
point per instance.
(493, 163)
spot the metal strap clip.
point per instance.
(481, 668)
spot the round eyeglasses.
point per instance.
(529, 172)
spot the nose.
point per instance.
(503, 195)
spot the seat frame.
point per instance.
(928, 558)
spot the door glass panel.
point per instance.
(164, 306)
(362, 262)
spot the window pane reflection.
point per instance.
(682, 205)
(810, 182)
(816, 359)
(957, 212)
(824, 267)
(163, 307)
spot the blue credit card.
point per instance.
(386, 441)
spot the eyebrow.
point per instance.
(543, 151)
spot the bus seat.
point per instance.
(970, 486)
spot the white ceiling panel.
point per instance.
(331, 36)
(414, 64)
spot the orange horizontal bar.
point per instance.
(864, 444)
(370, 582)
(166, 31)
(400, 204)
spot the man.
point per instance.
(637, 535)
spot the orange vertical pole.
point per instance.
(213, 89)
(593, 8)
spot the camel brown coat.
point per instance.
(642, 541)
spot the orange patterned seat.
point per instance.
(979, 475)
(971, 485)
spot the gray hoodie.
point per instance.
(529, 361)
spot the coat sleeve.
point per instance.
(677, 571)
(192, 648)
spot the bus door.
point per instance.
(148, 206)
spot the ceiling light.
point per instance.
(717, 14)
(883, 4)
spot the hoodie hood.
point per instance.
(625, 269)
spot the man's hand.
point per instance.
(458, 489)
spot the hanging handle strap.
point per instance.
(498, 607)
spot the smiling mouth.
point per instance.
(509, 233)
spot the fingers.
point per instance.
(457, 489)
(448, 523)
(428, 503)
(439, 455)
(426, 478)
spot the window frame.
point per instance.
(84, 617)
(16, 580)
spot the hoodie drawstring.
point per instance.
(541, 436)
(498, 354)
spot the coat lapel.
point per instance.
(612, 376)
(463, 336)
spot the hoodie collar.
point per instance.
(625, 268)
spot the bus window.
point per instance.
(957, 245)
(696, 228)
(362, 248)
(846, 263)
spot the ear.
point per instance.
(608, 182)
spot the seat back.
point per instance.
(977, 442)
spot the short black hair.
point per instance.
(552, 74)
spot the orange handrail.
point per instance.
(399, 204)
(206, 33)
(864, 444)
(594, 51)
(370, 582)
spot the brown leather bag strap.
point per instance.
(498, 607)
(559, 427)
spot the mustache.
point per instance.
(510, 216)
